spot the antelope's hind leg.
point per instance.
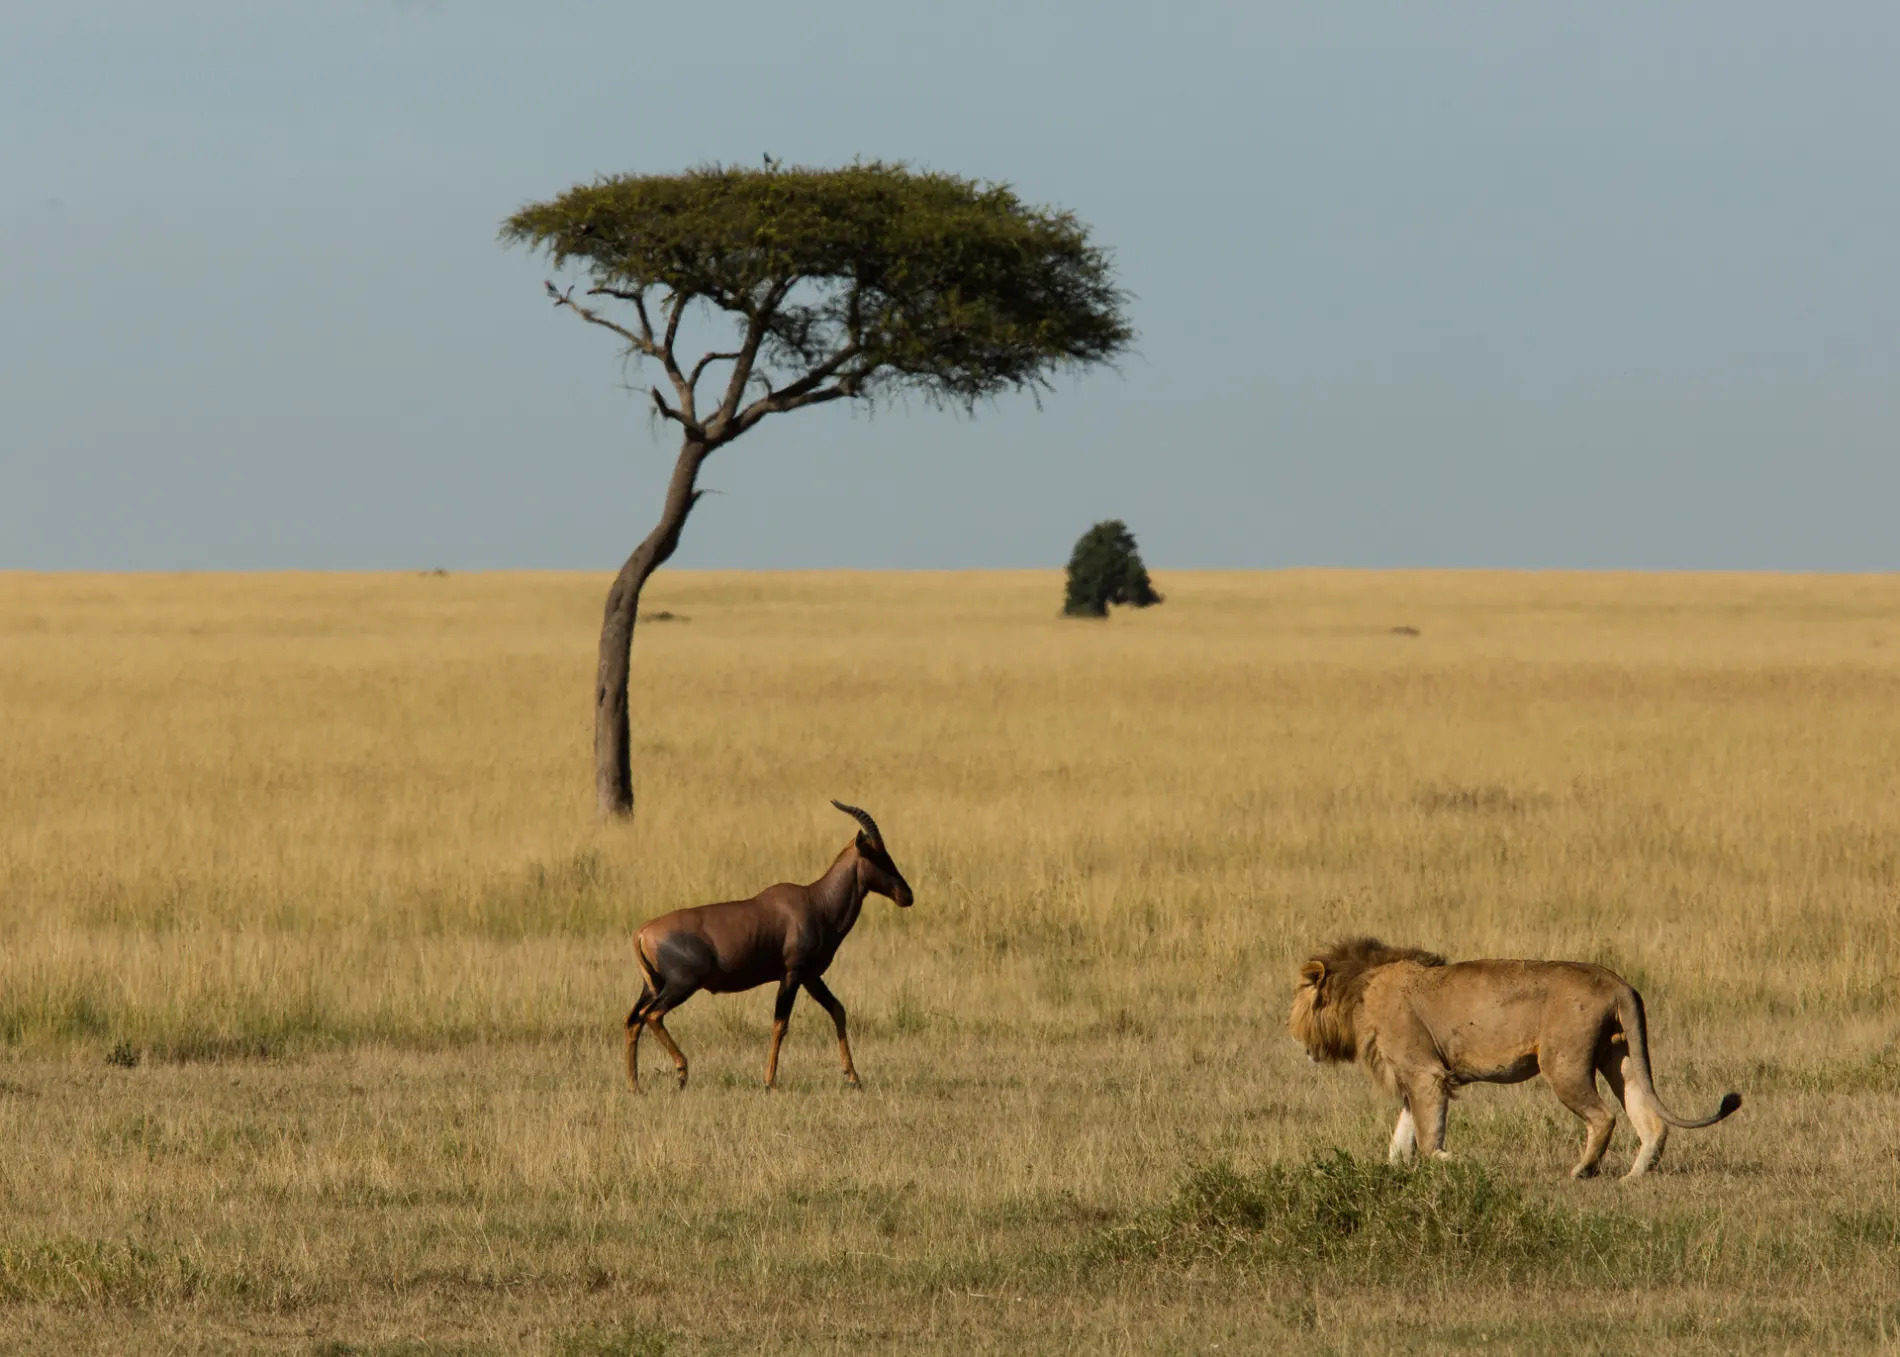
(635, 1021)
(663, 1003)
(829, 1002)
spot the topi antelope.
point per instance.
(786, 933)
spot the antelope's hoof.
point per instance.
(851, 1082)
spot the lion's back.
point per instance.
(1497, 1018)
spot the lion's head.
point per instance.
(1325, 1011)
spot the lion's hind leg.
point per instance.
(1575, 1083)
(1651, 1129)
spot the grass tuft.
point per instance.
(625, 1339)
(1345, 1214)
(97, 1272)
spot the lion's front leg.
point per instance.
(1404, 1138)
(1426, 1102)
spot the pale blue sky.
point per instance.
(1494, 284)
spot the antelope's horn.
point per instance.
(863, 818)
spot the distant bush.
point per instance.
(1106, 568)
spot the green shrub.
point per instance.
(1106, 568)
(1339, 1213)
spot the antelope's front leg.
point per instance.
(781, 1019)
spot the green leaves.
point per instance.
(883, 277)
(1106, 568)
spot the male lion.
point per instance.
(1422, 1028)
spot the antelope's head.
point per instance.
(876, 871)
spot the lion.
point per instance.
(1423, 1028)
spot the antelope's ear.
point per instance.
(1313, 972)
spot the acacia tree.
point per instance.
(860, 283)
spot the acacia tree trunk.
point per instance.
(613, 737)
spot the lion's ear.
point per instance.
(1313, 972)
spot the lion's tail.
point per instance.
(1629, 1010)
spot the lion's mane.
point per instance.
(1325, 1016)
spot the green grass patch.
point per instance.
(626, 1339)
(97, 1272)
(400, 1347)
(1340, 1214)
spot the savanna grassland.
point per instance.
(315, 963)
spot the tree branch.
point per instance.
(807, 390)
(749, 352)
(639, 299)
(703, 363)
(818, 374)
(641, 343)
(675, 308)
(668, 412)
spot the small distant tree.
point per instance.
(854, 284)
(1106, 568)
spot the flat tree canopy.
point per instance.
(856, 283)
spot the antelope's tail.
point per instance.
(650, 980)
(649, 973)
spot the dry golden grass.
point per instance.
(316, 852)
